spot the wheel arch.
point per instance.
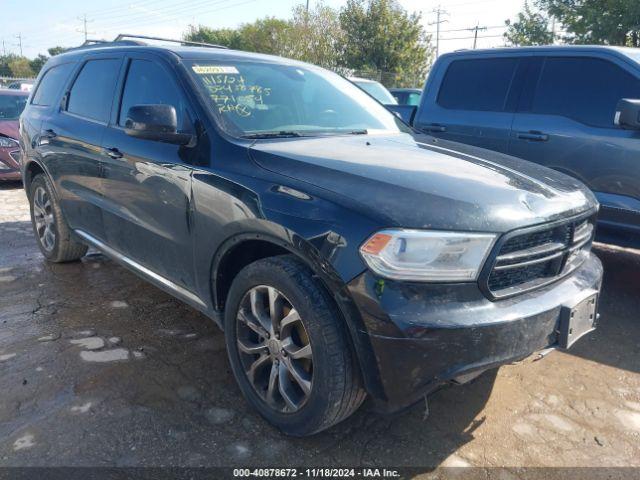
(255, 246)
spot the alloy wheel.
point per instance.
(44, 219)
(274, 349)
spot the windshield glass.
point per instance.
(377, 91)
(11, 106)
(252, 98)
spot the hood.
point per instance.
(418, 182)
(9, 128)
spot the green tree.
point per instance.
(20, 67)
(269, 35)
(531, 28)
(382, 36)
(609, 22)
(315, 36)
(56, 50)
(228, 37)
(266, 35)
(37, 63)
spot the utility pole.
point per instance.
(19, 37)
(4, 50)
(475, 34)
(84, 30)
(439, 13)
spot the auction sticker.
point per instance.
(208, 69)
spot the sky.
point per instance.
(43, 23)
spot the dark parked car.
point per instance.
(406, 96)
(12, 103)
(555, 106)
(22, 85)
(343, 255)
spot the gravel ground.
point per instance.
(98, 368)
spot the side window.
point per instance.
(413, 99)
(583, 89)
(149, 84)
(92, 93)
(50, 85)
(477, 84)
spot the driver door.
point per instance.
(147, 184)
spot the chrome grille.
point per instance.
(535, 257)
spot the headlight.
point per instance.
(427, 256)
(6, 142)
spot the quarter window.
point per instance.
(584, 89)
(92, 93)
(478, 84)
(50, 85)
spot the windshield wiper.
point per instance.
(358, 132)
(281, 134)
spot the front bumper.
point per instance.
(424, 335)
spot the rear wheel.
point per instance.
(52, 232)
(288, 347)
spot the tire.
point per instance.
(330, 372)
(58, 246)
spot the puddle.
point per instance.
(630, 420)
(118, 304)
(26, 441)
(6, 356)
(49, 338)
(90, 343)
(81, 408)
(117, 354)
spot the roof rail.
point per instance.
(90, 43)
(123, 36)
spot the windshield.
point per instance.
(253, 98)
(377, 91)
(11, 106)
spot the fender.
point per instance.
(331, 280)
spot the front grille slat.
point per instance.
(526, 263)
(531, 259)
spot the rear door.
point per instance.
(565, 121)
(472, 100)
(71, 138)
(147, 184)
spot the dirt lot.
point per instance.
(98, 368)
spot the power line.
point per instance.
(83, 19)
(471, 37)
(465, 29)
(19, 37)
(439, 12)
(475, 34)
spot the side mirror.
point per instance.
(406, 113)
(155, 122)
(628, 114)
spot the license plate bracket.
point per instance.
(577, 319)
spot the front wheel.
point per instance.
(289, 349)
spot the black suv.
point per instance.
(344, 255)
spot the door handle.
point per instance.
(434, 128)
(113, 152)
(533, 136)
(46, 136)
